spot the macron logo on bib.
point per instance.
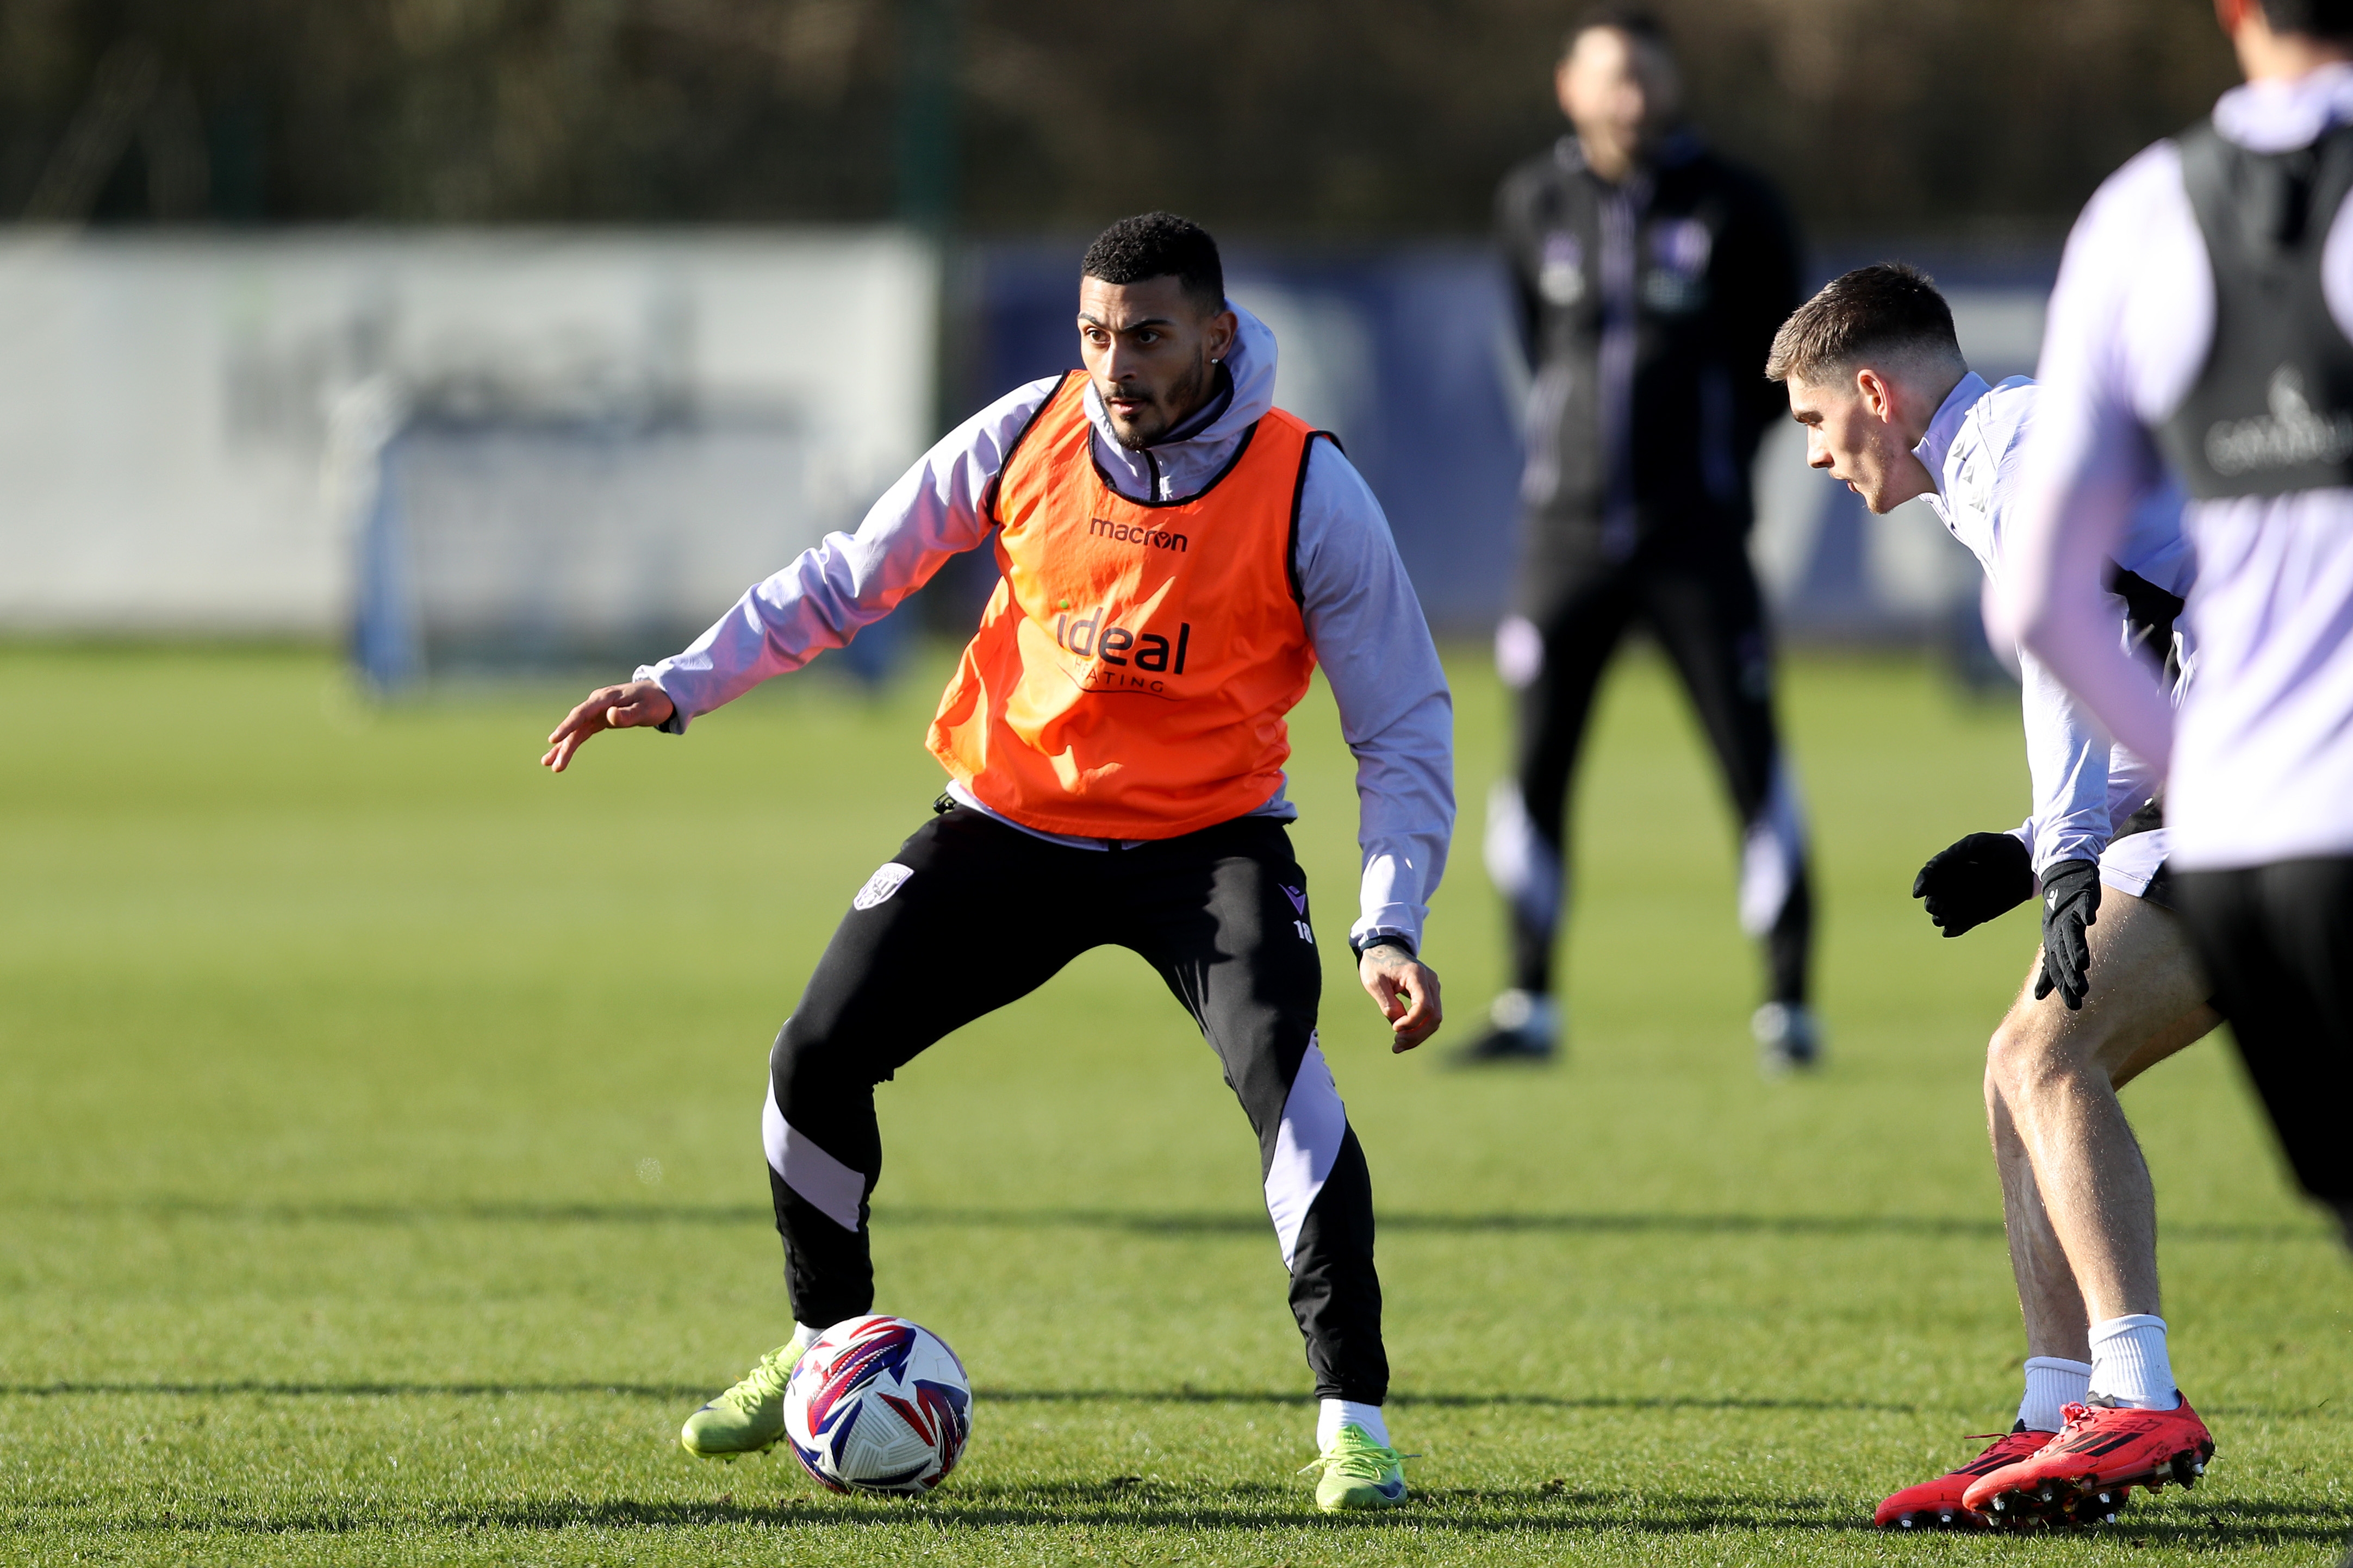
(882, 885)
(1131, 533)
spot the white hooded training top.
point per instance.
(2085, 784)
(1363, 619)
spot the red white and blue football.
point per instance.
(877, 1405)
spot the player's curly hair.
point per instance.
(1160, 244)
(1888, 309)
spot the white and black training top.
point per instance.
(2260, 760)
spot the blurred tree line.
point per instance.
(1327, 118)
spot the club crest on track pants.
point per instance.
(983, 915)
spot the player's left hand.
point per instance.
(1977, 879)
(1405, 991)
(2071, 902)
(626, 707)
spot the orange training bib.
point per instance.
(1132, 668)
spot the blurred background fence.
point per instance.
(470, 449)
(475, 451)
(409, 320)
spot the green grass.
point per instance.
(382, 1180)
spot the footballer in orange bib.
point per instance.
(1133, 666)
(1178, 556)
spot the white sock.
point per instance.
(1526, 1012)
(2129, 1363)
(2050, 1383)
(1335, 1413)
(806, 1335)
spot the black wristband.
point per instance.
(1380, 939)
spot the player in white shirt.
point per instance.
(2203, 325)
(1876, 376)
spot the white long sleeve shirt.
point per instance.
(2085, 784)
(1363, 619)
(2259, 763)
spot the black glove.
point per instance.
(2071, 901)
(1984, 875)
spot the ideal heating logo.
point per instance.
(2291, 434)
(1129, 533)
(1138, 659)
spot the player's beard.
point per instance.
(1186, 395)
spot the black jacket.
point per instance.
(1646, 310)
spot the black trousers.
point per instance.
(1703, 606)
(972, 914)
(2278, 942)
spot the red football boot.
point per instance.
(1936, 1505)
(2102, 1449)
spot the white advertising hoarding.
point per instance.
(187, 425)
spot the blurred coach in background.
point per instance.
(1650, 275)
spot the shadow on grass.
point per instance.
(1253, 1397)
(1138, 1503)
(680, 1393)
(1249, 1224)
(1407, 1400)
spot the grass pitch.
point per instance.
(382, 1179)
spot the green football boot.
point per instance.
(749, 1418)
(1358, 1473)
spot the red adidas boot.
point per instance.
(2102, 1448)
(1936, 1505)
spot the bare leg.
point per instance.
(2077, 1199)
(2056, 1322)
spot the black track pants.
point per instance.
(984, 914)
(1704, 607)
(2278, 941)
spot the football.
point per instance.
(877, 1405)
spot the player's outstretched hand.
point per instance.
(628, 707)
(1977, 877)
(1405, 991)
(2071, 901)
